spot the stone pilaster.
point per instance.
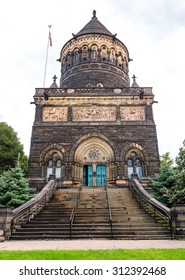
(178, 221)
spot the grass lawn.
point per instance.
(115, 254)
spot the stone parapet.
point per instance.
(178, 221)
(6, 215)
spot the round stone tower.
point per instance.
(94, 57)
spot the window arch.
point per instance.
(104, 53)
(76, 56)
(112, 56)
(84, 53)
(134, 163)
(93, 52)
(53, 163)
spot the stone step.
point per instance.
(88, 237)
(92, 217)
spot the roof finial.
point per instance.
(134, 78)
(54, 78)
(134, 84)
(94, 14)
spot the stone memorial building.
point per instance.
(94, 128)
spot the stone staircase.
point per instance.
(53, 221)
(92, 215)
(92, 220)
(130, 221)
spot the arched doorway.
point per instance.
(94, 156)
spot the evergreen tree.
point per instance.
(166, 160)
(163, 184)
(169, 184)
(177, 193)
(14, 189)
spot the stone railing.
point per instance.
(94, 90)
(12, 219)
(173, 218)
(160, 212)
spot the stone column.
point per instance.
(178, 221)
(6, 215)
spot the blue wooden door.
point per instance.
(100, 175)
(87, 175)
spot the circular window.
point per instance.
(54, 155)
(133, 154)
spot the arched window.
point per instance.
(130, 168)
(54, 166)
(84, 53)
(138, 167)
(69, 60)
(134, 164)
(112, 58)
(76, 57)
(104, 53)
(93, 54)
(89, 85)
(58, 170)
(49, 169)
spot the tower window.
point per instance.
(94, 54)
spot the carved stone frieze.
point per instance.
(94, 113)
(132, 113)
(52, 114)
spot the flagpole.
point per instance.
(48, 41)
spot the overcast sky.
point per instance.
(153, 31)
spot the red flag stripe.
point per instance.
(50, 40)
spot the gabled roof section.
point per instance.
(94, 26)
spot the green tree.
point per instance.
(10, 148)
(14, 189)
(169, 184)
(166, 160)
(163, 184)
(177, 193)
(180, 159)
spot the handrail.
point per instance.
(110, 212)
(150, 204)
(72, 217)
(29, 209)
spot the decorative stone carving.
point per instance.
(132, 113)
(52, 114)
(94, 113)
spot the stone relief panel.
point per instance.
(53, 114)
(94, 113)
(132, 113)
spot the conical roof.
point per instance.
(94, 26)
